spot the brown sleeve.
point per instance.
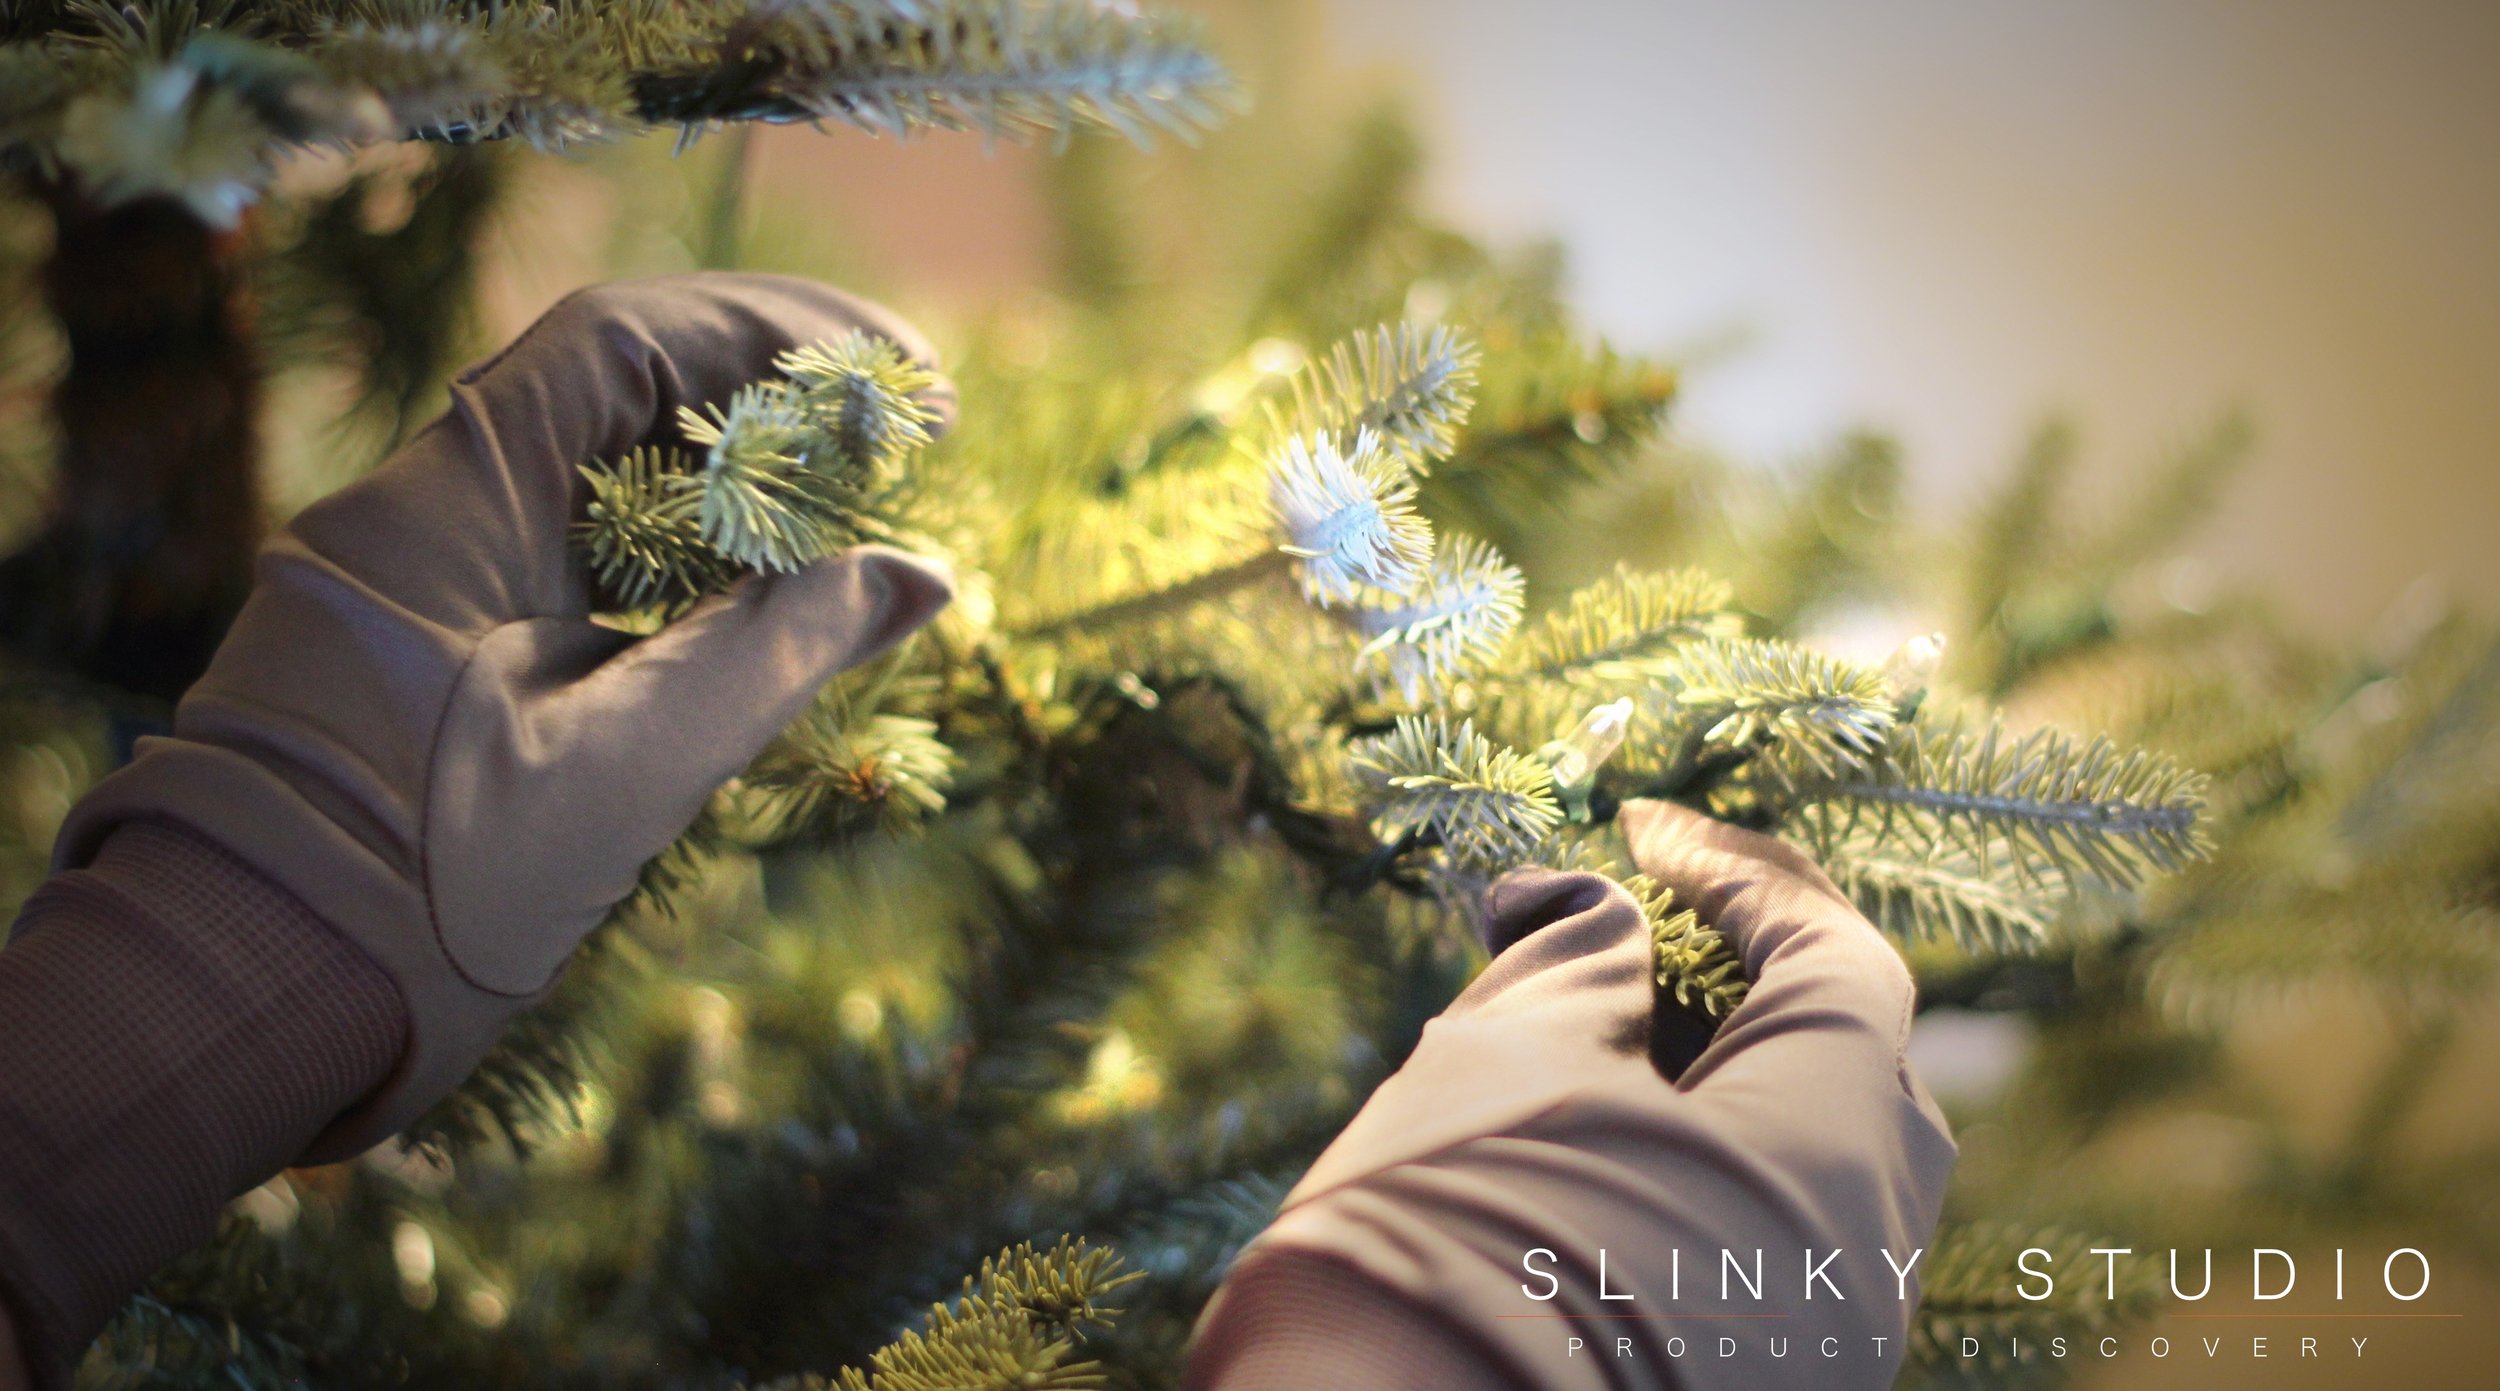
(174, 1028)
(1531, 1119)
(1288, 1320)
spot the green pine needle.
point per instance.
(1455, 622)
(865, 396)
(831, 774)
(1614, 628)
(1004, 68)
(1920, 889)
(1412, 386)
(1490, 807)
(641, 535)
(1812, 712)
(201, 102)
(2039, 806)
(1694, 963)
(792, 468)
(1014, 1328)
(760, 516)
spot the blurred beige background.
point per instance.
(1943, 218)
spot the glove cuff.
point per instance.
(193, 1026)
(360, 890)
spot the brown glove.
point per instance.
(414, 777)
(415, 727)
(1531, 1119)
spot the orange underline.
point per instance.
(2314, 1316)
(1640, 1316)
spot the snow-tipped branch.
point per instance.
(1348, 513)
(1452, 623)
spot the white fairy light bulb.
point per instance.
(1576, 757)
(1912, 668)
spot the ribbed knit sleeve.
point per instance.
(174, 1029)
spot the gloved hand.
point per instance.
(415, 727)
(1531, 1118)
(415, 775)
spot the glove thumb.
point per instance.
(1736, 879)
(706, 693)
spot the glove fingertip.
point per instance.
(1650, 825)
(914, 588)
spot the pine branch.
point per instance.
(1013, 1328)
(1168, 601)
(1554, 415)
(1005, 68)
(1832, 535)
(2009, 536)
(1344, 243)
(398, 302)
(1695, 964)
(2180, 496)
(2291, 921)
(792, 470)
(1612, 628)
(1167, 550)
(1195, 1234)
(2038, 805)
(1348, 514)
(200, 101)
(1933, 889)
(1455, 621)
(2035, 596)
(832, 774)
(434, 69)
(1488, 806)
(1063, 1287)
(194, 1323)
(865, 397)
(642, 534)
(1817, 714)
(168, 133)
(763, 506)
(1410, 386)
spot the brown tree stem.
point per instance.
(156, 514)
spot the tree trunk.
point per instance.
(156, 515)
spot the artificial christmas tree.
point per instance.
(1290, 614)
